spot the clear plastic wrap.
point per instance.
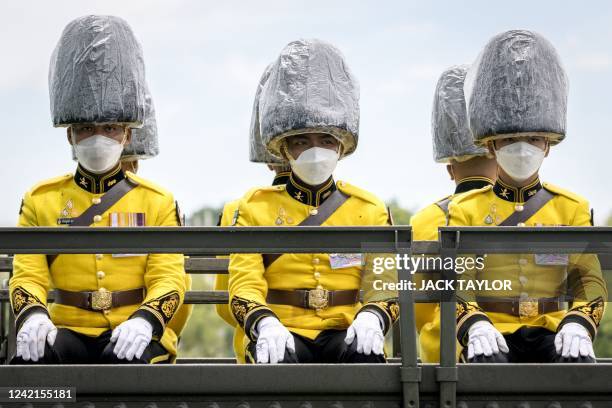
(517, 86)
(144, 143)
(310, 90)
(97, 73)
(258, 153)
(451, 135)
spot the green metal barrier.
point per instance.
(405, 383)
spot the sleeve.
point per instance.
(30, 282)
(164, 278)
(467, 311)
(247, 286)
(382, 302)
(585, 283)
(222, 280)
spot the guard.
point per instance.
(516, 95)
(109, 308)
(470, 167)
(306, 307)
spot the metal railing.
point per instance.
(509, 384)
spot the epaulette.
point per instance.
(444, 203)
(354, 191)
(249, 195)
(229, 214)
(148, 184)
(50, 182)
(560, 191)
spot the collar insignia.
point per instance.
(516, 194)
(307, 194)
(98, 183)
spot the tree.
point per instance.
(401, 216)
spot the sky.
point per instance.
(204, 58)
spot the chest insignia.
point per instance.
(67, 211)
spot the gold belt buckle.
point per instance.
(101, 300)
(318, 298)
(528, 307)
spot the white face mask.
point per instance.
(98, 153)
(315, 165)
(520, 160)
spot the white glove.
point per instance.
(132, 337)
(485, 339)
(370, 338)
(272, 340)
(31, 337)
(574, 340)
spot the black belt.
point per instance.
(313, 298)
(521, 307)
(99, 300)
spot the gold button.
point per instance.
(96, 200)
(523, 261)
(523, 280)
(519, 208)
(314, 211)
(520, 224)
(97, 218)
(99, 256)
(524, 295)
(100, 275)
(316, 261)
(106, 312)
(317, 275)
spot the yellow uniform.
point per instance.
(425, 225)
(532, 276)
(229, 217)
(250, 279)
(56, 201)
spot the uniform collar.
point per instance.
(516, 194)
(304, 193)
(472, 183)
(98, 183)
(281, 178)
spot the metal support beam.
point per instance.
(410, 372)
(446, 373)
(203, 240)
(531, 240)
